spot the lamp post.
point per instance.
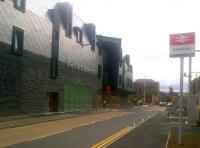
(196, 81)
(191, 102)
(197, 86)
(144, 90)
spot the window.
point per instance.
(93, 45)
(17, 41)
(20, 5)
(69, 21)
(79, 34)
(120, 63)
(69, 30)
(54, 67)
(131, 83)
(120, 80)
(90, 30)
(99, 71)
(55, 53)
(127, 82)
(130, 68)
(56, 35)
(100, 51)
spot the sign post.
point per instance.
(182, 45)
(181, 102)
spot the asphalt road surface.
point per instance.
(89, 135)
(150, 134)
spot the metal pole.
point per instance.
(196, 83)
(180, 101)
(190, 106)
(144, 91)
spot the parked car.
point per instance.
(162, 103)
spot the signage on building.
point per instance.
(76, 66)
(182, 45)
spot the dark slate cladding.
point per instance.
(50, 14)
(91, 34)
(10, 81)
(25, 80)
(55, 44)
(66, 10)
(115, 67)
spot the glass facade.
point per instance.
(77, 96)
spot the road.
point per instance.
(92, 134)
(153, 133)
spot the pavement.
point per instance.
(22, 120)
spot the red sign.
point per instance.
(182, 45)
(107, 89)
(182, 39)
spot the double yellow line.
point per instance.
(112, 138)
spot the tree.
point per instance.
(194, 85)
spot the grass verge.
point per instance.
(190, 140)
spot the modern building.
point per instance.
(146, 89)
(117, 71)
(49, 60)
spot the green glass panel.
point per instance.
(76, 96)
(73, 96)
(87, 98)
(79, 96)
(90, 97)
(70, 96)
(66, 96)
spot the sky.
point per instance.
(145, 26)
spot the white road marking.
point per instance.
(98, 120)
(59, 132)
(84, 124)
(173, 122)
(167, 140)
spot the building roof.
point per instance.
(107, 39)
(145, 80)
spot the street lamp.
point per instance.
(196, 81)
(144, 90)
